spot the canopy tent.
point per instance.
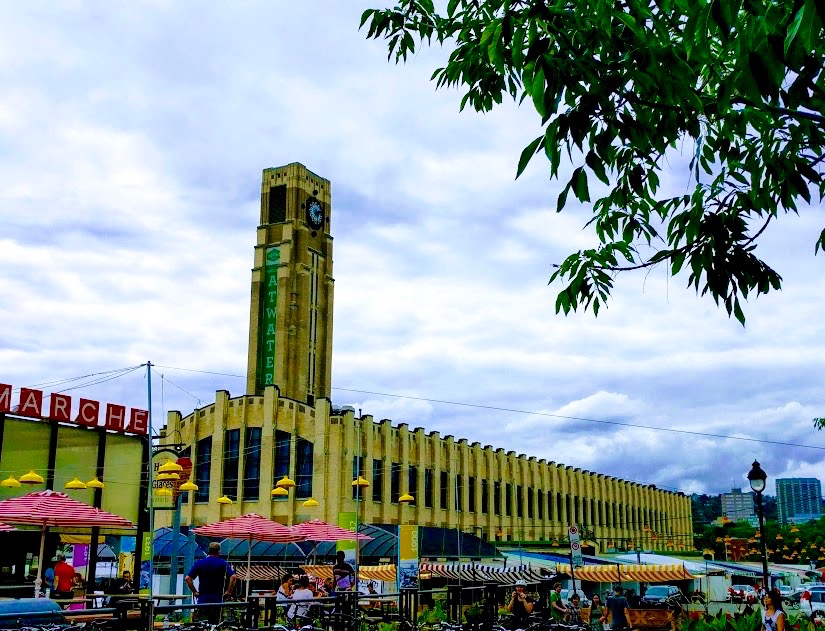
(479, 572)
(164, 545)
(293, 552)
(365, 572)
(434, 542)
(630, 573)
(50, 508)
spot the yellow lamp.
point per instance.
(94, 483)
(165, 492)
(31, 478)
(555, 542)
(360, 482)
(12, 483)
(221, 500)
(167, 476)
(310, 503)
(188, 486)
(794, 528)
(279, 491)
(779, 537)
(406, 498)
(75, 485)
(170, 467)
(285, 483)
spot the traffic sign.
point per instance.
(576, 559)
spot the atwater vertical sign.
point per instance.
(269, 308)
(407, 556)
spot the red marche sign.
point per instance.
(89, 413)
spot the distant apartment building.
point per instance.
(737, 506)
(798, 499)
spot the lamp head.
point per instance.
(757, 477)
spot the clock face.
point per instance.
(315, 213)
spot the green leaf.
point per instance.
(596, 165)
(579, 181)
(538, 90)
(526, 155)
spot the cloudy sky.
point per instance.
(132, 139)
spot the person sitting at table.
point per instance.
(123, 585)
(285, 588)
(303, 595)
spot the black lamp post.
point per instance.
(757, 478)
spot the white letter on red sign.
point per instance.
(115, 417)
(89, 413)
(5, 398)
(139, 422)
(31, 403)
(61, 408)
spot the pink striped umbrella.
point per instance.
(251, 527)
(6, 528)
(50, 508)
(317, 530)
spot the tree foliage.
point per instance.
(621, 86)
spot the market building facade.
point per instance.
(286, 425)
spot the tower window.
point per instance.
(252, 464)
(231, 453)
(203, 462)
(303, 467)
(277, 204)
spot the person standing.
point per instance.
(773, 616)
(617, 605)
(574, 611)
(212, 574)
(521, 606)
(343, 572)
(63, 578)
(598, 614)
(557, 608)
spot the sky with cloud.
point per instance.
(132, 139)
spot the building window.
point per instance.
(303, 467)
(508, 500)
(280, 454)
(377, 479)
(231, 454)
(569, 509)
(203, 462)
(252, 465)
(540, 503)
(576, 505)
(496, 498)
(412, 483)
(529, 503)
(519, 501)
(550, 505)
(428, 488)
(357, 472)
(395, 482)
(186, 453)
(485, 499)
(559, 511)
(445, 481)
(471, 494)
(459, 493)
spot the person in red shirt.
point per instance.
(63, 578)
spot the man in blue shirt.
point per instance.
(212, 574)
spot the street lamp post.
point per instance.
(757, 478)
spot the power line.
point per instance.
(586, 420)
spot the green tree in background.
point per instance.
(623, 86)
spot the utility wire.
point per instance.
(586, 420)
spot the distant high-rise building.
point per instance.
(798, 499)
(737, 506)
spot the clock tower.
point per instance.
(290, 327)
